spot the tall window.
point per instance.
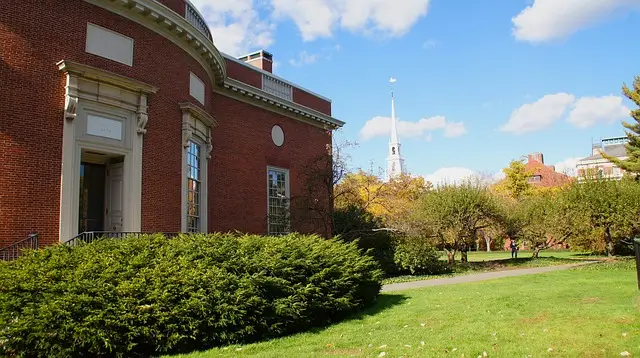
(193, 187)
(278, 201)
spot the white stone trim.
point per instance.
(197, 88)
(93, 90)
(109, 44)
(291, 109)
(196, 126)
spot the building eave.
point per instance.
(295, 110)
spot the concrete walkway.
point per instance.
(478, 277)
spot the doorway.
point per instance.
(101, 192)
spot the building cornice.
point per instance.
(101, 75)
(256, 96)
(166, 22)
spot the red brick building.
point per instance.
(124, 116)
(544, 175)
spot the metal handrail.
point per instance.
(91, 236)
(15, 250)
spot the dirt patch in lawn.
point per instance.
(542, 317)
(591, 300)
(343, 352)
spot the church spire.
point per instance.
(394, 128)
(395, 162)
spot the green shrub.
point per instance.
(419, 257)
(151, 295)
(354, 223)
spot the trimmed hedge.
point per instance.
(151, 295)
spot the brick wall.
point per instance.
(244, 74)
(178, 6)
(31, 120)
(242, 150)
(308, 100)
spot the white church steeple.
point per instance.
(395, 162)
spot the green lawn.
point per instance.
(591, 311)
(480, 261)
(502, 255)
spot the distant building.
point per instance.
(544, 175)
(596, 165)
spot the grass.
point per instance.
(480, 261)
(591, 311)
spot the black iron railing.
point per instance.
(14, 251)
(91, 236)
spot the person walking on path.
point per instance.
(514, 249)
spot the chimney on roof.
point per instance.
(260, 59)
(537, 157)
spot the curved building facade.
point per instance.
(122, 115)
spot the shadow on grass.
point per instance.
(382, 303)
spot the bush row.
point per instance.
(151, 295)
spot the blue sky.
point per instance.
(476, 86)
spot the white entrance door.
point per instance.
(115, 217)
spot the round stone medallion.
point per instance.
(277, 135)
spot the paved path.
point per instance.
(478, 277)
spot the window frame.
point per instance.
(196, 127)
(197, 191)
(287, 206)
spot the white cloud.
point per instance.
(451, 175)
(459, 175)
(588, 111)
(239, 26)
(454, 129)
(318, 18)
(381, 126)
(498, 176)
(236, 25)
(429, 44)
(567, 166)
(583, 112)
(547, 20)
(541, 114)
(428, 137)
(304, 58)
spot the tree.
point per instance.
(454, 215)
(508, 221)
(632, 163)
(604, 212)
(313, 207)
(390, 201)
(362, 189)
(398, 199)
(543, 220)
(516, 181)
